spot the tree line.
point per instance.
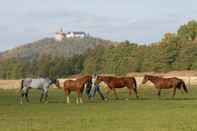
(44, 66)
(175, 51)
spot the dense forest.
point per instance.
(175, 51)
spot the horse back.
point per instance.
(120, 82)
(169, 82)
(73, 84)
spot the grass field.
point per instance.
(146, 114)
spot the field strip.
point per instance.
(15, 84)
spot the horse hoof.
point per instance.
(105, 99)
(66, 102)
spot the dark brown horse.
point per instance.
(117, 82)
(77, 86)
(166, 83)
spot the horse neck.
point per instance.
(153, 79)
(104, 79)
(85, 79)
(47, 80)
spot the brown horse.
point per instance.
(117, 82)
(77, 86)
(166, 83)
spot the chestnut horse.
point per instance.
(116, 82)
(77, 86)
(166, 83)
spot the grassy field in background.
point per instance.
(146, 114)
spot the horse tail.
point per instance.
(135, 87)
(135, 83)
(20, 89)
(22, 85)
(184, 86)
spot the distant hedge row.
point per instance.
(175, 51)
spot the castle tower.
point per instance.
(59, 36)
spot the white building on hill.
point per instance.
(59, 36)
(76, 35)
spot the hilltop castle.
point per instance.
(59, 36)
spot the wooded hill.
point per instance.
(49, 46)
(175, 51)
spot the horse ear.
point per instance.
(54, 79)
(93, 75)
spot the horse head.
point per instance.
(146, 78)
(56, 82)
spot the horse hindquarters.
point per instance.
(23, 92)
(184, 86)
(134, 86)
(66, 93)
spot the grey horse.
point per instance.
(40, 83)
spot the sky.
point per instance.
(140, 21)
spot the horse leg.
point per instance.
(100, 93)
(45, 97)
(116, 96)
(107, 93)
(174, 92)
(135, 90)
(77, 100)
(41, 97)
(22, 95)
(159, 92)
(130, 92)
(23, 92)
(80, 96)
(68, 99)
(81, 99)
(182, 92)
(179, 88)
(26, 96)
(77, 96)
(67, 92)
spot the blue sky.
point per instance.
(142, 21)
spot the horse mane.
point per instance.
(151, 77)
(52, 80)
(105, 78)
(84, 78)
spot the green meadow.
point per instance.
(149, 113)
